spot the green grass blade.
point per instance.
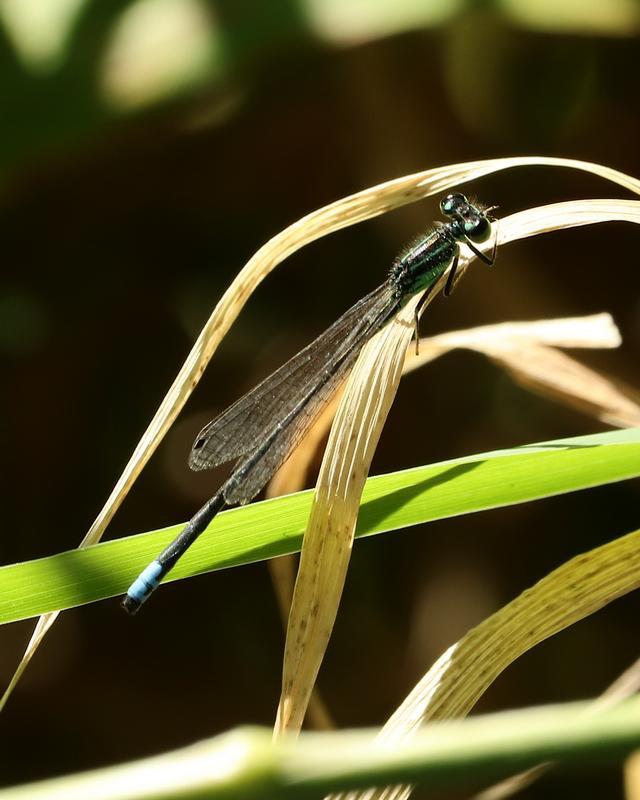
(275, 527)
(246, 764)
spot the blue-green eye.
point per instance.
(477, 228)
(452, 203)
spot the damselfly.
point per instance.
(262, 427)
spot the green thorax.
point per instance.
(423, 262)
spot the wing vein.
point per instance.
(251, 474)
(250, 419)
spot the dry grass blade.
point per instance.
(624, 686)
(518, 343)
(347, 211)
(462, 674)
(327, 545)
(554, 374)
(632, 777)
(523, 350)
(291, 477)
(361, 415)
(595, 330)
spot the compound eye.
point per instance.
(452, 203)
(477, 228)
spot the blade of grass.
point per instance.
(244, 764)
(623, 687)
(458, 679)
(275, 527)
(328, 539)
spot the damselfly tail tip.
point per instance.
(130, 604)
(142, 587)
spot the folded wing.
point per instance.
(299, 389)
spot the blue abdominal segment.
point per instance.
(142, 587)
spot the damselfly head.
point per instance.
(476, 226)
(453, 203)
(470, 217)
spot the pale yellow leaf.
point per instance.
(632, 777)
(554, 374)
(624, 686)
(463, 673)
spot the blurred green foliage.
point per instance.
(69, 67)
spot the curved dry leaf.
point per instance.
(291, 477)
(515, 345)
(515, 783)
(556, 375)
(462, 674)
(523, 350)
(342, 213)
(593, 331)
(361, 415)
(624, 686)
(632, 777)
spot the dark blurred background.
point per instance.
(147, 149)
